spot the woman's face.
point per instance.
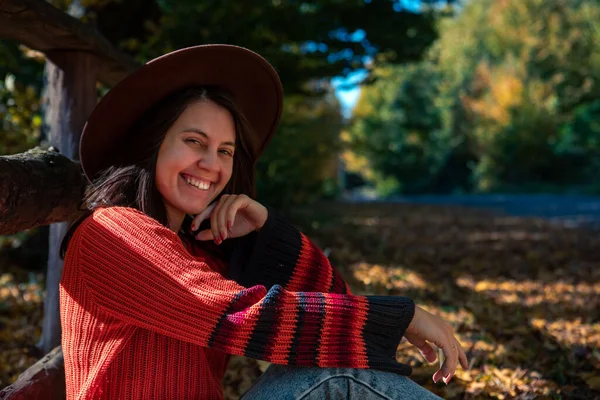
(195, 159)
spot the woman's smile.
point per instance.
(196, 183)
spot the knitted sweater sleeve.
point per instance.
(281, 254)
(138, 271)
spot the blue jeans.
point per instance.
(311, 383)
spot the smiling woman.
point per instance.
(195, 160)
(152, 306)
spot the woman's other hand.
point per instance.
(230, 217)
(426, 327)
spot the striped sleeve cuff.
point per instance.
(387, 320)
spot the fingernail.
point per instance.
(193, 227)
(435, 380)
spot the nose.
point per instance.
(209, 162)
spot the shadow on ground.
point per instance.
(523, 293)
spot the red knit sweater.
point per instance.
(144, 317)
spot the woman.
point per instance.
(150, 310)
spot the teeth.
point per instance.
(198, 184)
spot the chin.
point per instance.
(193, 210)
(194, 207)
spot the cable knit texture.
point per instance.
(146, 315)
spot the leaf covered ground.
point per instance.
(523, 295)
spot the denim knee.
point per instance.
(341, 386)
(311, 383)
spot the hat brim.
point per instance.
(253, 82)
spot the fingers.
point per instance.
(214, 219)
(225, 211)
(202, 216)
(427, 352)
(222, 215)
(205, 235)
(449, 366)
(209, 212)
(454, 354)
(428, 327)
(424, 348)
(231, 212)
(461, 358)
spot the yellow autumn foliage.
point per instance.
(496, 91)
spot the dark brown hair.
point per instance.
(130, 180)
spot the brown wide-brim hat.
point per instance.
(252, 81)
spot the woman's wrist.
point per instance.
(262, 218)
(412, 322)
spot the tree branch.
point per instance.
(43, 380)
(38, 187)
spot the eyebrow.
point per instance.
(201, 133)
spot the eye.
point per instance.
(226, 152)
(193, 141)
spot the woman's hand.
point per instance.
(230, 217)
(426, 327)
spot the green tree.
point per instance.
(300, 164)
(398, 128)
(305, 40)
(20, 114)
(511, 82)
(537, 63)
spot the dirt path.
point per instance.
(571, 210)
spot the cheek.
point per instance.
(161, 168)
(160, 179)
(226, 172)
(166, 170)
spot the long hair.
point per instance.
(130, 180)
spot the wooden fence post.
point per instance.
(70, 96)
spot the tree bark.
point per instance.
(43, 380)
(38, 187)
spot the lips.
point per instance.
(199, 184)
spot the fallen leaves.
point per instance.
(20, 323)
(593, 380)
(377, 278)
(522, 294)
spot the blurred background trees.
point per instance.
(504, 101)
(459, 97)
(308, 42)
(20, 86)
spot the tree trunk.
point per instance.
(71, 96)
(38, 188)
